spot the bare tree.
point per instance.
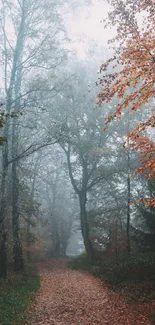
(36, 30)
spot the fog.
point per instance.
(64, 179)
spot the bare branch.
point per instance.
(30, 150)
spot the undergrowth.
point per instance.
(81, 263)
(134, 277)
(15, 294)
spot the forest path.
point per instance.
(69, 297)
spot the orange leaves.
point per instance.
(149, 202)
(134, 85)
(136, 56)
(138, 70)
(147, 149)
(140, 170)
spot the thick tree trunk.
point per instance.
(17, 249)
(28, 229)
(85, 226)
(3, 235)
(17, 246)
(82, 194)
(3, 252)
(56, 245)
(9, 96)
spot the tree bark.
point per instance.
(82, 194)
(17, 245)
(28, 232)
(3, 235)
(3, 252)
(128, 190)
(85, 225)
(9, 95)
(128, 205)
(56, 249)
(64, 248)
(128, 219)
(28, 229)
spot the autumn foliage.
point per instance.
(134, 84)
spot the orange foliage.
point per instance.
(134, 85)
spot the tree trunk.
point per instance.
(9, 93)
(56, 249)
(3, 235)
(28, 229)
(85, 226)
(28, 232)
(63, 250)
(82, 194)
(17, 245)
(64, 243)
(3, 252)
(128, 190)
(17, 249)
(128, 207)
(116, 240)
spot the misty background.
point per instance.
(66, 183)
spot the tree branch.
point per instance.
(27, 152)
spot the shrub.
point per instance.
(15, 294)
(81, 262)
(137, 268)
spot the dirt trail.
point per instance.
(70, 297)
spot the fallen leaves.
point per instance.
(70, 297)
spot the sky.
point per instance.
(86, 26)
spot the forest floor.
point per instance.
(69, 297)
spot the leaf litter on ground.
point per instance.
(69, 297)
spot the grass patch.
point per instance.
(15, 294)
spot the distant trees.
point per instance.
(86, 146)
(61, 207)
(144, 234)
(98, 166)
(82, 141)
